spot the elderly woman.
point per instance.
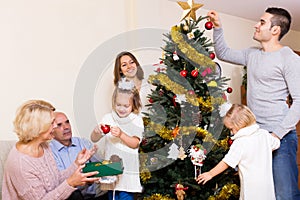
(30, 170)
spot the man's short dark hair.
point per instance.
(282, 18)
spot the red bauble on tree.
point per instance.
(174, 100)
(144, 141)
(209, 25)
(161, 92)
(229, 90)
(195, 73)
(212, 55)
(191, 92)
(183, 73)
(150, 100)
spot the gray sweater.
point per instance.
(271, 76)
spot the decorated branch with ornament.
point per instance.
(198, 155)
(184, 119)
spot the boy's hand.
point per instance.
(203, 178)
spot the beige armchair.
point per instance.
(5, 147)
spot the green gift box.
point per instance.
(109, 169)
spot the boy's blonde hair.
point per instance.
(240, 116)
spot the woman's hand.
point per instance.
(84, 155)
(80, 179)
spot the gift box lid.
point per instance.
(110, 169)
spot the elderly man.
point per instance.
(65, 148)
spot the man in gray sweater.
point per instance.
(273, 72)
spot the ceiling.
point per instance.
(253, 9)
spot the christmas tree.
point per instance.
(184, 132)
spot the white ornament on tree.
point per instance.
(174, 152)
(197, 154)
(182, 154)
(175, 56)
(180, 98)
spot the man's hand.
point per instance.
(214, 18)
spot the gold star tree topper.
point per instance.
(189, 8)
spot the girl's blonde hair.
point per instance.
(32, 118)
(240, 116)
(135, 97)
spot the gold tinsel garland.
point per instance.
(190, 52)
(223, 143)
(166, 133)
(158, 197)
(161, 130)
(208, 104)
(227, 190)
(217, 100)
(205, 105)
(145, 175)
(173, 87)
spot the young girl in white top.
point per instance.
(126, 129)
(251, 151)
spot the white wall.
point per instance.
(47, 46)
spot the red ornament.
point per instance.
(144, 141)
(151, 100)
(180, 187)
(195, 73)
(224, 96)
(229, 90)
(212, 55)
(174, 101)
(229, 141)
(183, 73)
(161, 92)
(191, 92)
(209, 25)
(105, 128)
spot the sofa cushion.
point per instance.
(5, 147)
